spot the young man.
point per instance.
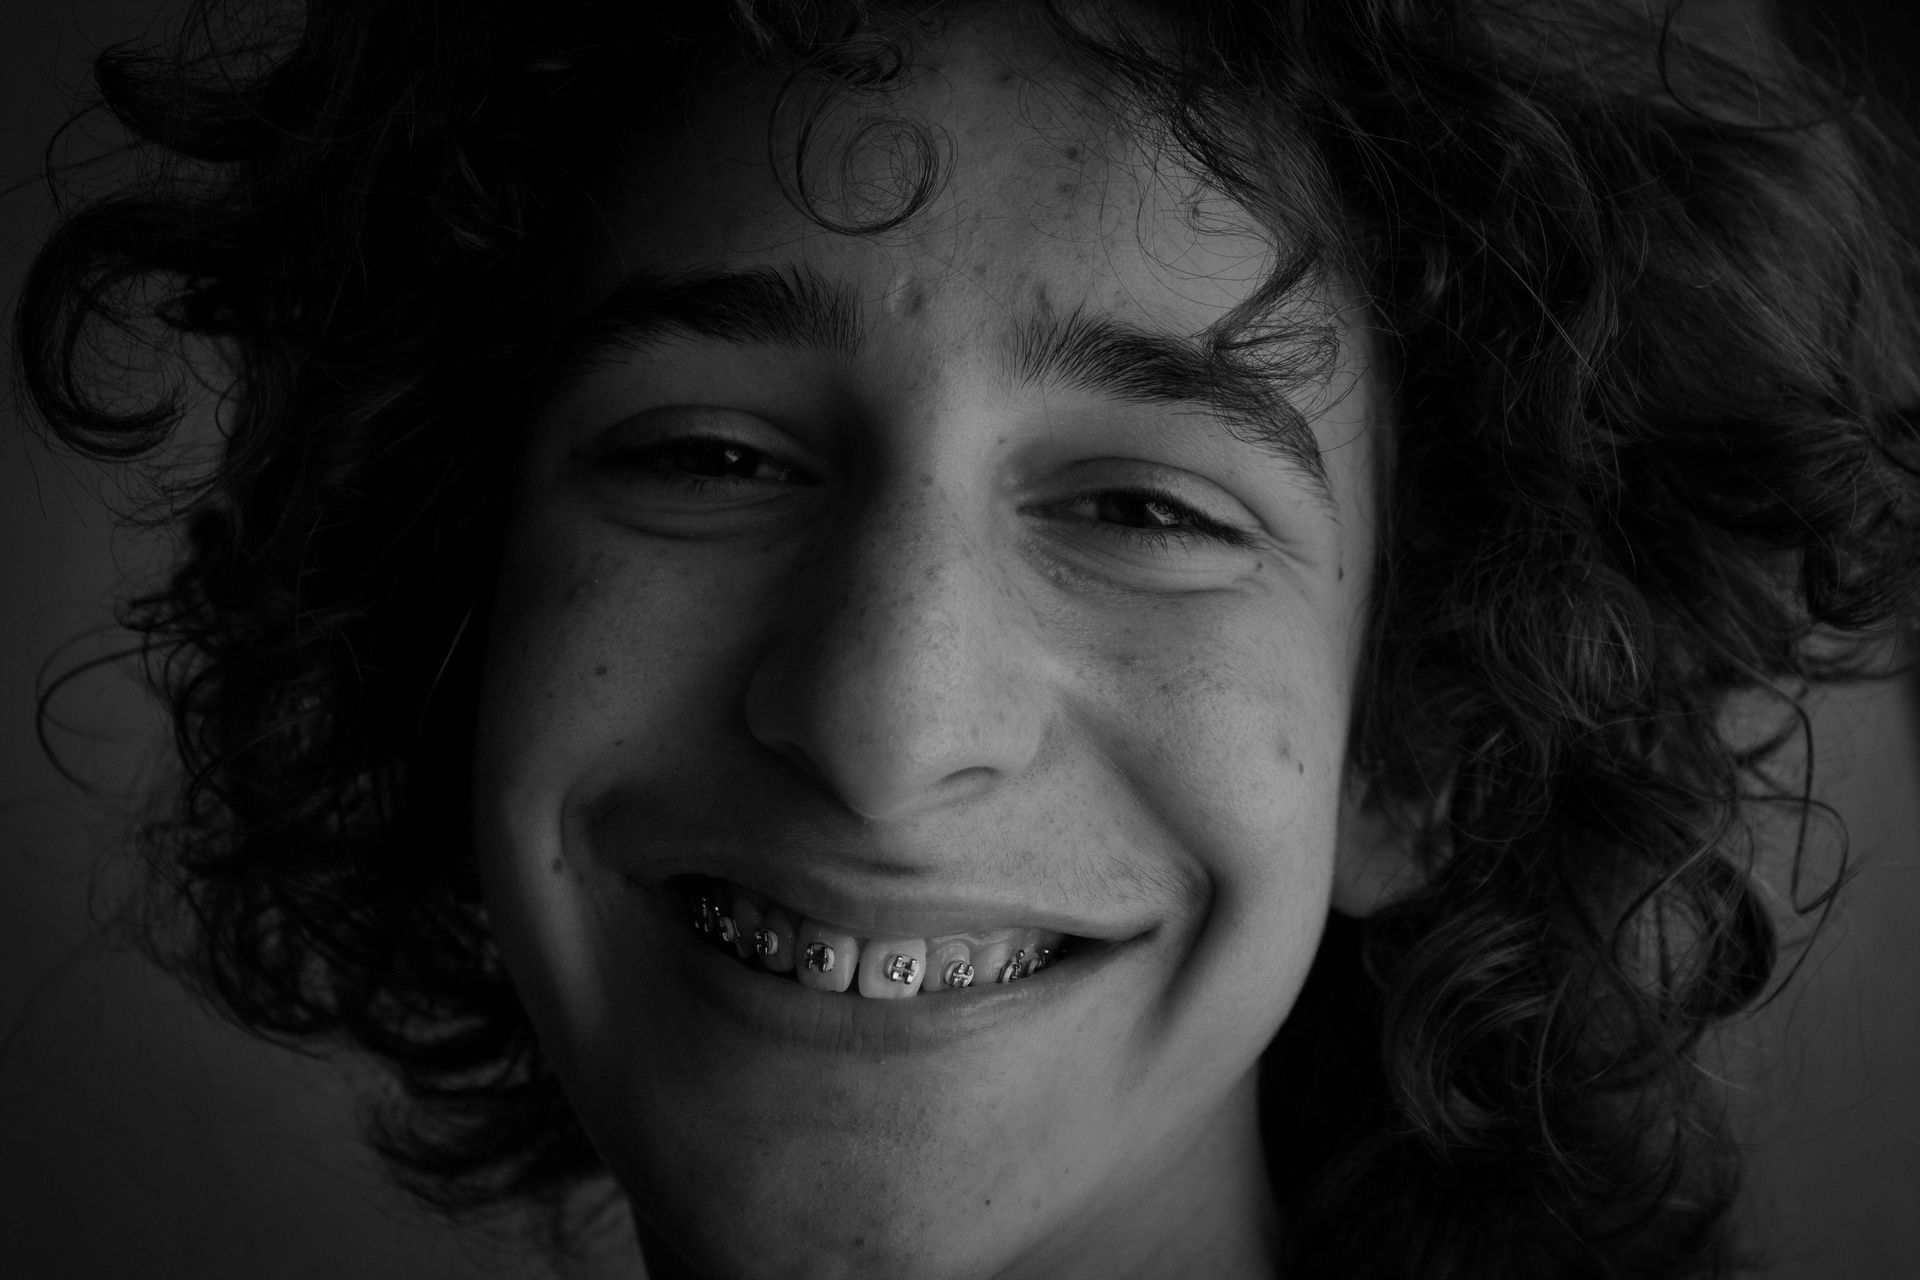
(1011, 640)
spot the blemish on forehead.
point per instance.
(905, 297)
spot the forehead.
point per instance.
(1033, 194)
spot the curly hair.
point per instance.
(1649, 318)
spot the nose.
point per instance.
(902, 675)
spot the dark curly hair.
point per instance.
(1648, 313)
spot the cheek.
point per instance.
(593, 668)
(529, 730)
(1235, 740)
(595, 655)
(1239, 723)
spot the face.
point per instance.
(927, 598)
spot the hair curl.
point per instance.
(1650, 319)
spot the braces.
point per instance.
(1015, 967)
(709, 919)
(902, 969)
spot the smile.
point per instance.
(774, 939)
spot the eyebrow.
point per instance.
(1238, 369)
(1236, 376)
(793, 308)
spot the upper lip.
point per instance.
(851, 880)
(915, 907)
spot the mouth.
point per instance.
(780, 943)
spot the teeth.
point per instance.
(747, 921)
(948, 964)
(775, 942)
(890, 969)
(1026, 946)
(991, 957)
(827, 959)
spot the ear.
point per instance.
(1375, 864)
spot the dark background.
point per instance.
(140, 1138)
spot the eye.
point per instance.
(1140, 511)
(1149, 516)
(696, 462)
(710, 459)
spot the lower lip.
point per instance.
(777, 1007)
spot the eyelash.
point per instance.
(654, 458)
(1195, 525)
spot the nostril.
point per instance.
(888, 797)
(879, 788)
(800, 762)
